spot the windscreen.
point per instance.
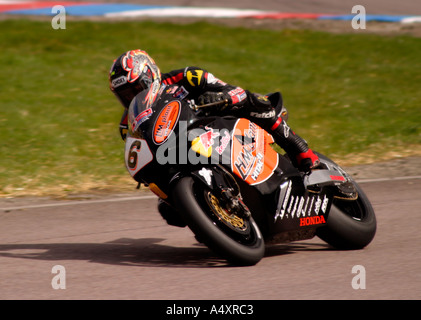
(138, 114)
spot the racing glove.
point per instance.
(213, 97)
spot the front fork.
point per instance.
(224, 187)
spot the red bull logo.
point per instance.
(204, 142)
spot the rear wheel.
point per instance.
(351, 224)
(234, 238)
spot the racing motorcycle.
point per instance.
(225, 179)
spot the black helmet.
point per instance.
(131, 73)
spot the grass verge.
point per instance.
(353, 97)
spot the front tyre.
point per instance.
(237, 240)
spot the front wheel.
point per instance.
(236, 239)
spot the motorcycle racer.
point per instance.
(135, 71)
(256, 195)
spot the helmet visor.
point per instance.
(146, 78)
(126, 93)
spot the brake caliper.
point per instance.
(234, 204)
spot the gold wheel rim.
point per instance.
(224, 216)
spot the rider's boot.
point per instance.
(170, 214)
(295, 146)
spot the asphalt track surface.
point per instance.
(120, 248)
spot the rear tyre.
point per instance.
(237, 240)
(351, 224)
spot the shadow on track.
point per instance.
(136, 252)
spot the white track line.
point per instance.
(388, 179)
(77, 202)
(193, 12)
(138, 198)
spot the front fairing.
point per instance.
(139, 112)
(153, 130)
(177, 138)
(158, 120)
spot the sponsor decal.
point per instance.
(286, 188)
(309, 221)
(237, 95)
(141, 117)
(166, 121)
(171, 90)
(119, 81)
(252, 157)
(337, 178)
(207, 175)
(204, 142)
(259, 167)
(286, 130)
(194, 77)
(263, 115)
(181, 93)
(309, 208)
(224, 142)
(236, 91)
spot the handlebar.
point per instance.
(195, 107)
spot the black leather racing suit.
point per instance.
(202, 86)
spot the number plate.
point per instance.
(137, 155)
